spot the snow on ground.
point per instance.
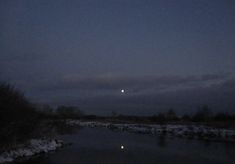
(186, 131)
(34, 147)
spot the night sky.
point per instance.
(164, 53)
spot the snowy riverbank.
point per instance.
(184, 131)
(35, 146)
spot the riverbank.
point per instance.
(200, 132)
(31, 148)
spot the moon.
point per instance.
(123, 91)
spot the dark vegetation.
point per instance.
(203, 115)
(219, 120)
(20, 120)
(61, 112)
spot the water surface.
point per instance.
(103, 146)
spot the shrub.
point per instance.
(69, 112)
(17, 116)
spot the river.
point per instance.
(103, 146)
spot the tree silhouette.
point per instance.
(18, 118)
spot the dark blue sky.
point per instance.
(165, 53)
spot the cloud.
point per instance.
(133, 84)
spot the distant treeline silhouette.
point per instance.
(61, 112)
(203, 115)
